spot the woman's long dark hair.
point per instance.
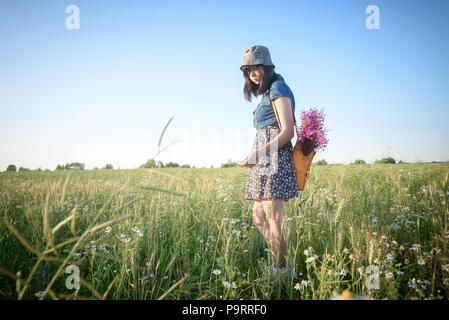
(267, 76)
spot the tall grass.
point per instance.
(184, 233)
(160, 233)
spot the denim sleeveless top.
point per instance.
(264, 115)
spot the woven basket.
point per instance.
(302, 165)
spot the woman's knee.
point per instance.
(258, 213)
(277, 212)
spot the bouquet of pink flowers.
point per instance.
(311, 134)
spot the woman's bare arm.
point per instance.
(284, 110)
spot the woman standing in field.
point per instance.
(271, 177)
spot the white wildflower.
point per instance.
(421, 261)
(412, 283)
(311, 259)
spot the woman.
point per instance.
(271, 177)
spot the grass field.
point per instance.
(181, 233)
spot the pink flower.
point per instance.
(311, 134)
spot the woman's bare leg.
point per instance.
(260, 220)
(277, 240)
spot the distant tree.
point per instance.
(109, 166)
(70, 166)
(229, 164)
(400, 161)
(95, 168)
(11, 167)
(385, 160)
(359, 161)
(185, 166)
(321, 162)
(151, 163)
(24, 169)
(74, 166)
(160, 164)
(39, 169)
(172, 164)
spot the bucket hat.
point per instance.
(257, 55)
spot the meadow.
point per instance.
(187, 233)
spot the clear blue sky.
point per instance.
(103, 93)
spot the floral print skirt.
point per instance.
(273, 176)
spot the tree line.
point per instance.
(151, 163)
